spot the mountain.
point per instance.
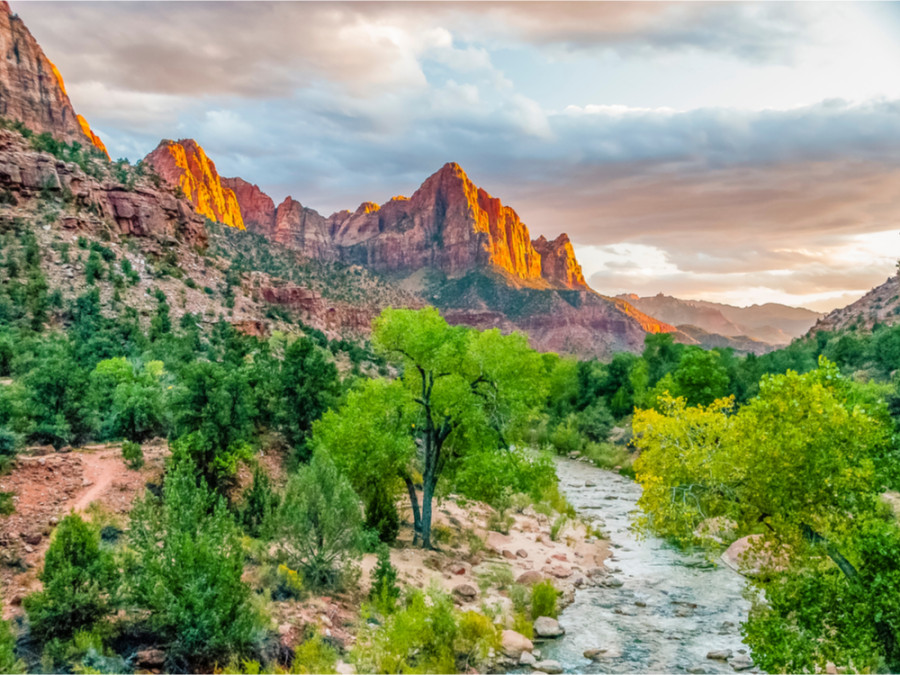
(451, 243)
(770, 323)
(184, 165)
(880, 305)
(32, 91)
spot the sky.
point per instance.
(734, 152)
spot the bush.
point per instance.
(79, 583)
(288, 584)
(260, 502)
(314, 656)
(385, 592)
(9, 663)
(133, 455)
(7, 505)
(595, 422)
(7, 448)
(318, 525)
(191, 584)
(543, 599)
(382, 516)
(477, 635)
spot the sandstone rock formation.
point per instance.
(881, 305)
(257, 208)
(558, 261)
(184, 164)
(26, 174)
(94, 138)
(31, 89)
(304, 230)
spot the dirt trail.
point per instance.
(99, 471)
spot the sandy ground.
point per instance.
(47, 486)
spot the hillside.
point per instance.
(881, 305)
(770, 323)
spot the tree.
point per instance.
(700, 377)
(213, 413)
(468, 389)
(187, 572)
(260, 502)
(132, 397)
(310, 386)
(78, 583)
(799, 466)
(9, 662)
(318, 524)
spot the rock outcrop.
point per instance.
(256, 207)
(558, 263)
(183, 164)
(26, 174)
(881, 305)
(96, 141)
(31, 89)
(303, 229)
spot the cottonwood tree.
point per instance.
(801, 466)
(460, 392)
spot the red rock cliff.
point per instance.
(256, 207)
(31, 89)
(184, 164)
(558, 263)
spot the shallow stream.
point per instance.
(672, 608)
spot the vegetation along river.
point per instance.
(672, 608)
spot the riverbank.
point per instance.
(662, 609)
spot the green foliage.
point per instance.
(318, 524)
(544, 598)
(382, 516)
(384, 592)
(133, 455)
(132, 396)
(314, 656)
(79, 583)
(287, 585)
(187, 572)
(93, 268)
(9, 662)
(7, 505)
(260, 502)
(7, 448)
(802, 466)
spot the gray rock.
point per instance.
(527, 659)
(594, 654)
(719, 654)
(545, 627)
(548, 666)
(741, 662)
(696, 670)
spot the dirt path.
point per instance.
(99, 469)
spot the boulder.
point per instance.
(741, 662)
(594, 654)
(514, 644)
(465, 592)
(530, 578)
(546, 627)
(548, 666)
(719, 654)
(527, 659)
(150, 658)
(522, 553)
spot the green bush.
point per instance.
(133, 455)
(314, 656)
(544, 599)
(317, 526)
(595, 422)
(7, 505)
(7, 448)
(187, 572)
(476, 637)
(9, 662)
(79, 583)
(384, 592)
(260, 502)
(382, 516)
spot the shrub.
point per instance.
(318, 524)
(288, 584)
(500, 576)
(78, 583)
(543, 599)
(133, 455)
(7, 505)
(7, 448)
(476, 636)
(385, 592)
(9, 663)
(382, 516)
(314, 656)
(595, 422)
(260, 502)
(191, 583)
(93, 268)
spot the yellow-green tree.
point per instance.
(801, 465)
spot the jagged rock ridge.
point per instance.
(184, 164)
(32, 90)
(881, 305)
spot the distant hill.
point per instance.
(880, 305)
(771, 323)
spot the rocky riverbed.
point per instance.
(661, 610)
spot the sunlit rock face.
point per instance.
(558, 263)
(96, 141)
(31, 89)
(184, 164)
(256, 207)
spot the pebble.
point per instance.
(594, 654)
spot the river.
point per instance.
(673, 606)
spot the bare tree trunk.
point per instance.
(414, 500)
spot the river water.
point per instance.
(673, 607)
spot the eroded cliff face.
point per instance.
(31, 89)
(96, 141)
(184, 164)
(256, 207)
(558, 262)
(30, 177)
